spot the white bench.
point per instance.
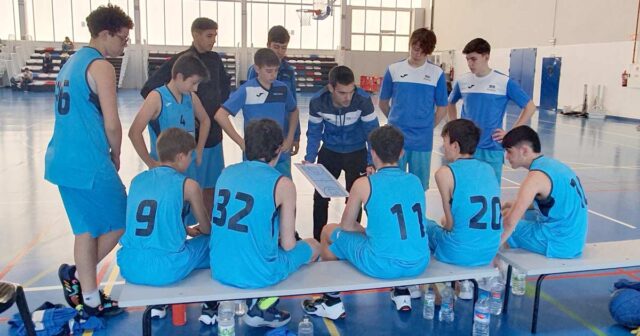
(320, 277)
(595, 257)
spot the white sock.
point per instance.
(92, 299)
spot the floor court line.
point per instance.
(14, 261)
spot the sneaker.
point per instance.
(466, 290)
(70, 285)
(271, 317)
(159, 311)
(402, 298)
(325, 306)
(108, 306)
(209, 313)
(415, 292)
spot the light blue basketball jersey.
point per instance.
(172, 114)
(477, 222)
(155, 209)
(563, 215)
(414, 94)
(396, 221)
(485, 102)
(245, 226)
(79, 148)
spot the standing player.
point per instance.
(211, 94)
(554, 191)
(418, 93)
(83, 157)
(341, 116)
(485, 93)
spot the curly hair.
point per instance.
(110, 17)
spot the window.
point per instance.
(10, 24)
(381, 25)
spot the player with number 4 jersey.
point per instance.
(472, 223)
(553, 190)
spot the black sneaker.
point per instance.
(326, 306)
(271, 317)
(108, 306)
(209, 313)
(70, 285)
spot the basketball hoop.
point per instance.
(305, 16)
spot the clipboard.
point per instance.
(326, 185)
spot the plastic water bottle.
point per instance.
(226, 318)
(518, 282)
(305, 327)
(429, 305)
(446, 308)
(241, 307)
(481, 317)
(495, 302)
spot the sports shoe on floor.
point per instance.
(466, 290)
(325, 306)
(402, 298)
(415, 291)
(271, 317)
(108, 306)
(159, 311)
(209, 313)
(70, 285)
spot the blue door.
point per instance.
(522, 68)
(550, 83)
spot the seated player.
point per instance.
(394, 243)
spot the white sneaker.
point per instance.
(466, 290)
(415, 292)
(402, 298)
(319, 307)
(159, 312)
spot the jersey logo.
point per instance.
(404, 75)
(259, 94)
(470, 86)
(427, 77)
(491, 87)
(167, 104)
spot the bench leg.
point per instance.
(536, 304)
(475, 290)
(146, 321)
(507, 290)
(23, 309)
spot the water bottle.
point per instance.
(305, 327)
(429, 305)
(446, 308)
(518, 282)
(226, 318)
(241, 307)
(495, 302)
(481, 317)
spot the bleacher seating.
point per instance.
(157, 58)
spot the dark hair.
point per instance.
(262, 138)
(266, 57)
(188, 64)
(172, 142)
(478, 45)
(109, 17)
(522, 135)
(278, 34)
(424, 38)
(387, 141)
(464, 132)
(341, 75)
(203, 23)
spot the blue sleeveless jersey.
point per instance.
(79, 148)
(245, 226)
(477, 222)
(172, 114)
(563, 215)
(155, 211)
(396, 218)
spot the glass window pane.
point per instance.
(357, 42)
(405, 4)
(357, 2)
(373, 22)
(276, 15)
(63, 22)
(226, 19)
(388, 22)
(155, 22)
(337, 27)
(292, 22)
(326, 36)
(402, 43)
(7, 24)
(416, 3)
(190, 12)
(43, 20)
(372, 43)
(388, 3)
(403, 23)
(388, 43)
(373, 3)
(309, 35)
(80, 11)
(259, 25)
(209, 9)
(238, 25)
(173, 22)
(124, 4)
(357, 21)
(97, 3)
